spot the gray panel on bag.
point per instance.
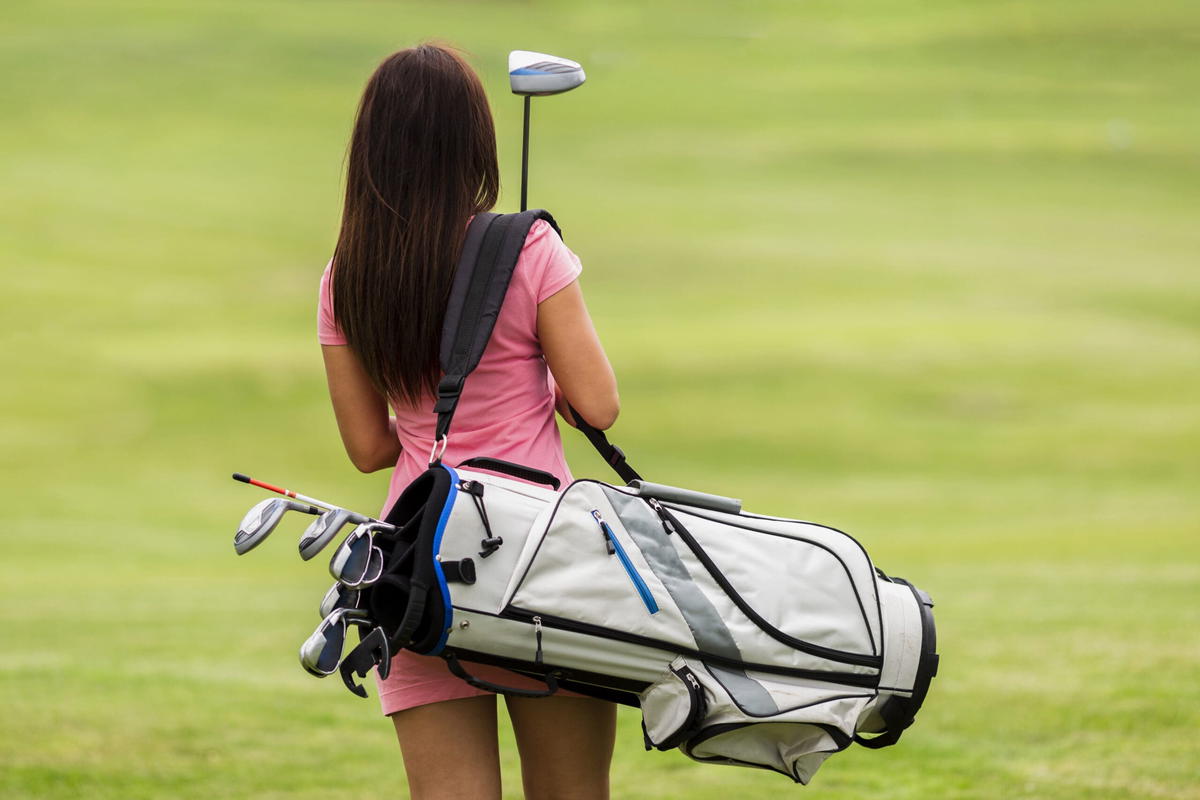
(709, 630)
(749, 694)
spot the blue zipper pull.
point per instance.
(604, 529)
(615, 548)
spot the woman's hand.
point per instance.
(368, 432)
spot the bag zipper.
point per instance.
(663, 517)
(715, 573)
(606, 531)
(696, 711)
(614, 546)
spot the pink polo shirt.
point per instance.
(506, 411)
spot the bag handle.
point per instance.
(686, 497)
(516, 470)
(460, 672)
(412, 613)
(895, 719)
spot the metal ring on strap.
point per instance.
(436, 453)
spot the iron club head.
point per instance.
(321, 652)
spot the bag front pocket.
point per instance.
(616, 548)
(585, 569)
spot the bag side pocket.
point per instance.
(673, 707)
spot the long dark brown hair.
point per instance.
(422, 161)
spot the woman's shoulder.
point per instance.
(546, 264)
(328, 330)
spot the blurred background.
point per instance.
(926, 271)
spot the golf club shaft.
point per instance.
(525, 156)
(237, 476)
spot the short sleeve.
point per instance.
(553, 264)
(328, 331)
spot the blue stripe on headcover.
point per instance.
(448, 616)
(528, 71)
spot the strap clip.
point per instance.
(439, 449)
(617, 456)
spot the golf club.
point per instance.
(538, 75)
(338, 596)
(358, 561)
(262, 519)
(237, 476)
(321, 652)
(323, 528)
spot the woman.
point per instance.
(422, 163)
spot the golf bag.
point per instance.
(744, 639)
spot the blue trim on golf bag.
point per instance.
(443, 587)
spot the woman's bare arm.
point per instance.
(576, 357)
(368, 432)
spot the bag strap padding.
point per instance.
(489, 256)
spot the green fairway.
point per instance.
(928, 272)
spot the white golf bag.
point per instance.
(744, 639)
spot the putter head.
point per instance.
(539, 74)
(262, 519)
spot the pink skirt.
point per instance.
(417, 680)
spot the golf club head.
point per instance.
(357, 561)
(338, 596)
(539, 74)
(321, 652)
(350, 560)
(373, 571)
(262, 519)
(323, 529)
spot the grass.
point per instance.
(925, 271)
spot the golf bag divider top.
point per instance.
(744, 639)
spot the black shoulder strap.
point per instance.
(485, 268)
(489, 256)
(612, 455)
